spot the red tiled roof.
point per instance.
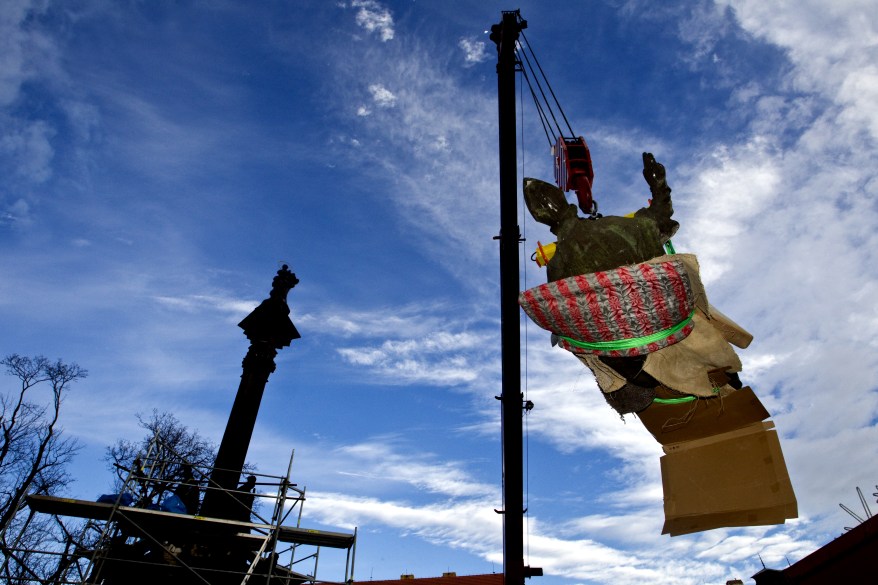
(489, 579)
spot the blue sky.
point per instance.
(160, 159)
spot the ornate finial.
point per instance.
(282, 283)
(269, 322)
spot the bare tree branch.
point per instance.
(34, 456)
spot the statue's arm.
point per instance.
(660, 208)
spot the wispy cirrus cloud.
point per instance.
(469, 524)
(442, 193)
(438, 358)
(26, 149)
(198, 302)
(378, 460)
(18, 47)
(414, 320)
(411, 344)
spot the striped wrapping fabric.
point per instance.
(628, 311)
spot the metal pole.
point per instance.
(505, 35)
(352, 553)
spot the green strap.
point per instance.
(630, 343)
(669, 247)
(680, 400)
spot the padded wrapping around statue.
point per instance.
(681, 362)
(628, 311)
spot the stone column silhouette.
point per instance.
(269, 329)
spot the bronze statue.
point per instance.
(591, 245)
(613, 274)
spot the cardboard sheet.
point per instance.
(737, 478)
(674, 423)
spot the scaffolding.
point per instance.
(142, 534)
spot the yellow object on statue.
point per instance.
(544, 253)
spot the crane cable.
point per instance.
(543, 105)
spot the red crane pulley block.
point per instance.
(573, 170)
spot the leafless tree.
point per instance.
(34, 456)
(166, 449)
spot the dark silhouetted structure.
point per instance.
(165, 539)
(505, 35)
(449, 578)
(850, 558)
(269, 329)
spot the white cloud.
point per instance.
(571, 412)
(474, 51)
(379, 461)
(27, 152)
(416, 320)
(469, 524)
(833, 46)
(375, 18)
(439, 358)
(414, 344)
(382, 96)
(441, 144)
(859, 92)
(755, 364)
(195, 303)
(702, 26)
(732, 187)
